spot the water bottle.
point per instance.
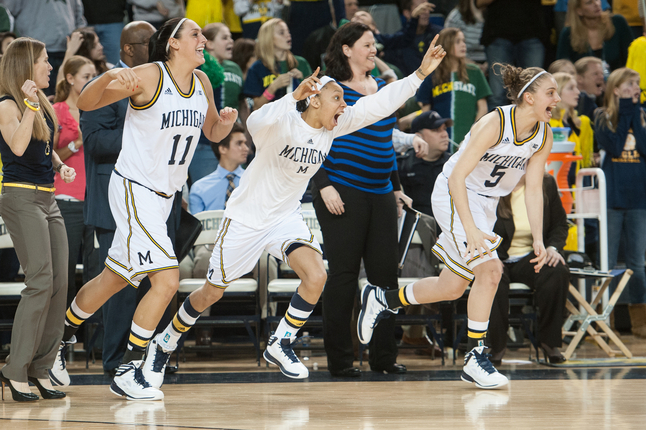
(305, 352)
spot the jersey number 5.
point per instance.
(176, 139)
(497, 173)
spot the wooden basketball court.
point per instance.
(229, 391)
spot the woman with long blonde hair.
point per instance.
(566, 115)
(29, 210)
(457, 89)
(277, 71)
(620, 130)
(593, 32)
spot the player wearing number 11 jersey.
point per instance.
(504, 145)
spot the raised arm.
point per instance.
(216, 126)
(372, 108)
(17, 128)
(139, 83)
(483, 135)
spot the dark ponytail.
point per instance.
(515, 78)
(157, 45)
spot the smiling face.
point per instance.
(330, 104)
(592, 81)
(544, 99)
(42, 68)
(570, 94)
(189, 42)
(282, 38)
(221, 47)
(361, 56)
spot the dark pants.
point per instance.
(38, 234)
(304, 18)
(367, 230)
(550, 287)
(80, 239)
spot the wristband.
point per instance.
(269, 96)
(35, 106)
(553, 247)
(59, 167)
(72, 147)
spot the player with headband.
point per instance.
(501, 147)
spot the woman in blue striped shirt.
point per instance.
(357, 196)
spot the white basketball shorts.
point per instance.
(238, 247)
(451, 246)
(141, 244)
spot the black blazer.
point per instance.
(102, 132)
(555, 226)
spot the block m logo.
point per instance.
(144, 258)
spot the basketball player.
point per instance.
(293, 136)
(170, 102)
(504, 145)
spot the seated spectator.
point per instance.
(621, 133)
(213, 191)
(563, 65)
(468, 18)
(68, 144)
(5, 39)
(589, 79)
(514, 33)
(550, 284)
(254, 13)
(86, 43)
(408, 58)
(417, 177)
(593, 32)
(277, 71)
(456, 89)
(565, 115)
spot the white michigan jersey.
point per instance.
(159, 138)
(502, 165)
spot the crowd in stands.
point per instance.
(257, 51)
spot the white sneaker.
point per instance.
(155, 362)
(373, 310)
(478, 369)
(280, 353)
(58, 373)
(130, 382)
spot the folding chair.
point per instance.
(243, 291)
(587, 315)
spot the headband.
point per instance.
(179, 24)
(324, 81)
(530, 82)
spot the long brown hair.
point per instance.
(89, 40)
(71, 67)
(443, 72)
(562, 79)
(265, 46)
(608, 115)
(16, 67)
(578, 30)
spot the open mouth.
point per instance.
(336, 118)
(549, 111)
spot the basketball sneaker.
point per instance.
(280, 353)
(58, 373)
(373, 309)
(130, 382)
(478, 369)
(155, 362)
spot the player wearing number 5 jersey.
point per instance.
(170, 103)
(504, 145)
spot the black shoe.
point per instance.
(350, 372)
(18, 396)
(394, 368)
(552, 354)
(46, 393)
